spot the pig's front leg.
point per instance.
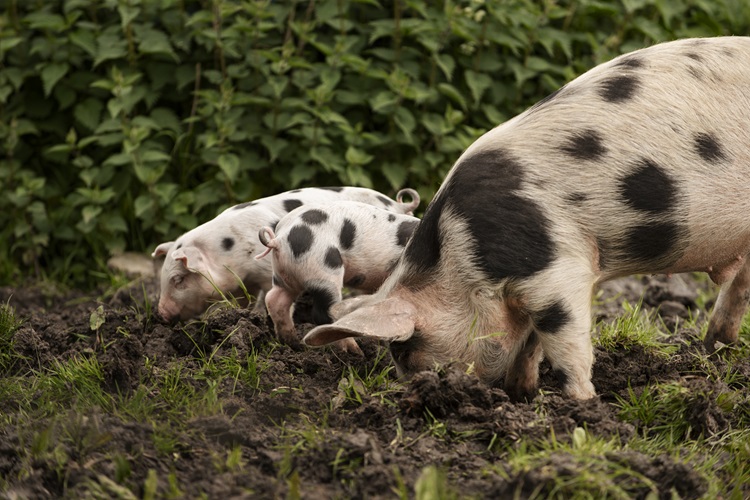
(279, 303)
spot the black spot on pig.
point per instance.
(333, 258)
(244, 205)
(355, 281)
(347, 235)
(708, 147)
(322, 300)
(631, 62)
(227, 244)
(511, 232)
(577, 198)
(179, 245)
(391, 217)
(694, 56)
(649, 189)
(561, 376)
(652, 242)
(620, 88)
(290, 205)
(300, 240)
(314, 216)
(585, 145)
(404, 232)
(551, 319)
(335, 189)
(385, 200)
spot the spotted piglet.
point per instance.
(215, 257)
(639, 166)
(321, 248)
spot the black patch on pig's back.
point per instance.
(649, 189)
(620, 88)
(300, 240)
(227, 244)
(404, 232)
(585, 145)
(314, 216)
(510, 232)
(709, 148)
(335, 189)
(347, 234)
(291, 204)
(333, 258)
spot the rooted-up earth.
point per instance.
(110, 402)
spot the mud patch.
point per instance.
(269, 421)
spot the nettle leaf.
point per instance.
(85, 40)
(453, 94)
(356, 156)
(396, 174)
(127, 14)
(151, 41)
(8, 43)
(51, 74)
(110, 46)
(144, 204)
(88, 113)
(90, 212)
(446, 63)
(478, 83)
(230, 165)
(45, 21)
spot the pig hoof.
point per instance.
(581, 391)
(350, 345)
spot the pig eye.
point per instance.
(177, 280)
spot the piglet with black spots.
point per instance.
(639, 166)
(216, 257)
(322, 248)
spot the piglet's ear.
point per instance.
(391, 319)
(162, 249)
(191, 258)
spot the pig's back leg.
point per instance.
(522, 377)
(730, 308)
(559, 305)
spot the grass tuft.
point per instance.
(634, 328)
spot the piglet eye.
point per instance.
(177, 280)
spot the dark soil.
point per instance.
(298, 432)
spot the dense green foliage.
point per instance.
(125, 122)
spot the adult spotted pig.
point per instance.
(640, 165)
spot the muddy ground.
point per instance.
(304, 431)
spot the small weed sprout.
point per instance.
(8, 326)
(432, 483)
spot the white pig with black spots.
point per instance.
(321, 248)
(218, 255)
(640, 165)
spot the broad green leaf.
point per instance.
(446, 63)
(8, 43)
(230, 164)
(97, 318)
(453, 94)
(45, 21)
(90, 212)
(356, 156)
(405, 122)
(144, 204)
(84, 39)
(51, 74)
(127, 14)
(88, 113)
(396, 174)
(478, 83)
(151, 41)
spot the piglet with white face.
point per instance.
(216, 257)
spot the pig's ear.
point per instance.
(191, 258)
(162, 249)
(391, 319)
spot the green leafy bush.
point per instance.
(125, 122)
